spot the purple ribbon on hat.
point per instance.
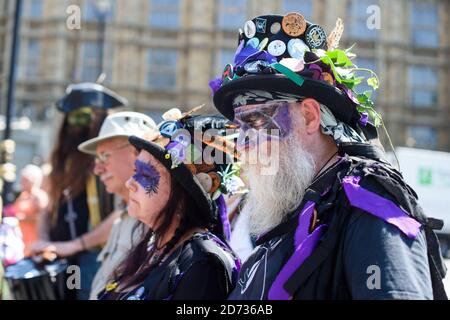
(215, 85)
(317, 71)
(239, 50)
(177, 150)
(249, 54)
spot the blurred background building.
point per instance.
(162, 53)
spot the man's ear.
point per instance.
(310, 110)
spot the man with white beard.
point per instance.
(334, 219)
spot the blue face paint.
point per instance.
(147, 176)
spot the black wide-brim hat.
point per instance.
(89, 95)
(181, 174)
(334, 98)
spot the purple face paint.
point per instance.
(147, 176)
(263, 122)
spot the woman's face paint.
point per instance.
(147, 176)
(263, 122)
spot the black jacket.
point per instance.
(354, 252)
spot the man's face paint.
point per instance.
(147, 176)
(262, 122)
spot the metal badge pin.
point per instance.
(276, 48)
(227, 74)
(253, 42)
(315, 37)
(261, 25)
(249, 29)
(293, 24)
(168, 128)
(297, 48)
(275, 28)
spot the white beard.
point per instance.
(273, 197)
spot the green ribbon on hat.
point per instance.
(298, 79)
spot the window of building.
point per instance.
(33, 9)
(305, 7)
(162, 69)
(4, 8)
(423, 82)
(91, 66)
(424, 21)
(421, 137)
(164, 14)
(231, 14)
(32, 62)
(358, 16)
(95, 10)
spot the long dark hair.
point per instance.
(70, 167)
(135, 267)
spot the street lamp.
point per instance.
(103, 9)
(7, 146)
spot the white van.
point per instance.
(428, 173)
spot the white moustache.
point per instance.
(105, 176)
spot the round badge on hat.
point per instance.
(315, 37)
(228, 73)
(168, 128)
(276, 48)
(275, 28)
(293, 24)
(253, 42)
(249, 29)
(205, 181)
(296, 48)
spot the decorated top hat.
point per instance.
(199, 156)
(289, 58)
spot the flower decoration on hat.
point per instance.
(301, 51)
(177, 135)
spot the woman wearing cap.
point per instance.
(184, 255)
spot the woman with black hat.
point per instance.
(78, 201)
(179, 196)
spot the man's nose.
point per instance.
(99, 168)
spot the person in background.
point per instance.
(31, 201)
(178, 195)
(114, 164)
(78, 201)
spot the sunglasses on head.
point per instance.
(80, 117)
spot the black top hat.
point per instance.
(89, 95)
(287, 55)
(178, 145)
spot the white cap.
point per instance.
(120, 124)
